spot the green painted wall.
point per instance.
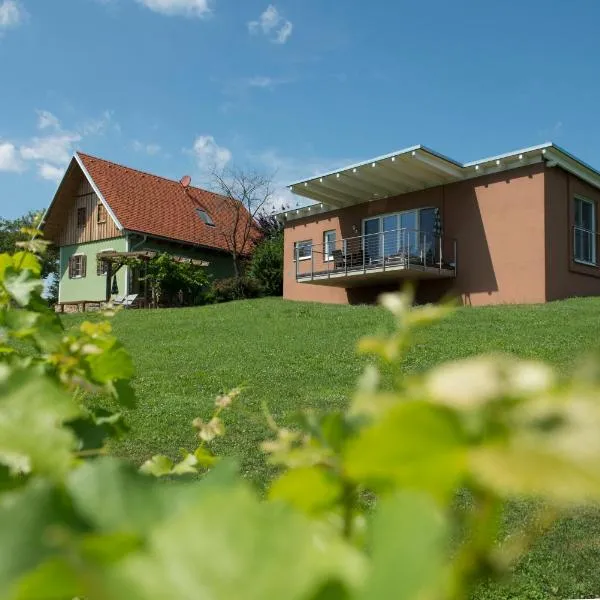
(92, 286)
(221, 264)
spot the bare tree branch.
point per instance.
(246, 193)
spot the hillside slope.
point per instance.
(294, 356)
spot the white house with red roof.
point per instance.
(102, 207)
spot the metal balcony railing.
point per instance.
(585, 244)
(401, 249)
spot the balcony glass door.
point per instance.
(391, 238)
(427, 227)
(409, 224)
(372, 240)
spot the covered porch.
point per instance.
(138, 281)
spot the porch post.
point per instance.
(108, 279)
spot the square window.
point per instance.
(102, 265)
(303, 250)
(77, 266)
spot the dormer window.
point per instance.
(205, 217)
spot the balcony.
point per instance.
(376, 258)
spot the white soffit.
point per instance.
(409, 170)
(419, 168)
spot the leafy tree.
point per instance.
(172, 280)
(266, 264)
(11, 232)
(268, 225)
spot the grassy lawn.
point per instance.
(296, 356)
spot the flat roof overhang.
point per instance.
(409, 170)
(418, 168)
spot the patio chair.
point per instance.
(130, 300)
(338, 258)
(118, 299)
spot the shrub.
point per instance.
(233, 288)
(266, 265)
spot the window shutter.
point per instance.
(71, 267)
(83, 265)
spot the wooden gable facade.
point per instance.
(77, 214)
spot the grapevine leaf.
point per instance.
(32, 410)
(310, 489)
(55, 578)
(229, 544)
(115, 497)
(26, 261)
(27, 523)
(112, 364)
(414, 445)
(536, 471)
(158, 465)
(21, 285)
(409, 541)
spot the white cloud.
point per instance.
(284, 32)
(50, 172)
(46, 119)
(98, 126)
(260, 82)
(272, 24)
(11, 14)
(150, 149)
(51, 150)
(10, 159)
(55, 149)
(209, 155)
(186, 8)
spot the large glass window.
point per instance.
(585, 231)
(303, 250)
(372, 239)
(411, 231)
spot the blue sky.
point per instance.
(290, 88)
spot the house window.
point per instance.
(205, 217)
(81, 217)
(102, 265)
(303, 250)
(328, 244)
(101, 213)
(584, 237)
(77, 266)
(412, 231)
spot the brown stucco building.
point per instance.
(516, 228)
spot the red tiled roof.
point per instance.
(162, 207)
